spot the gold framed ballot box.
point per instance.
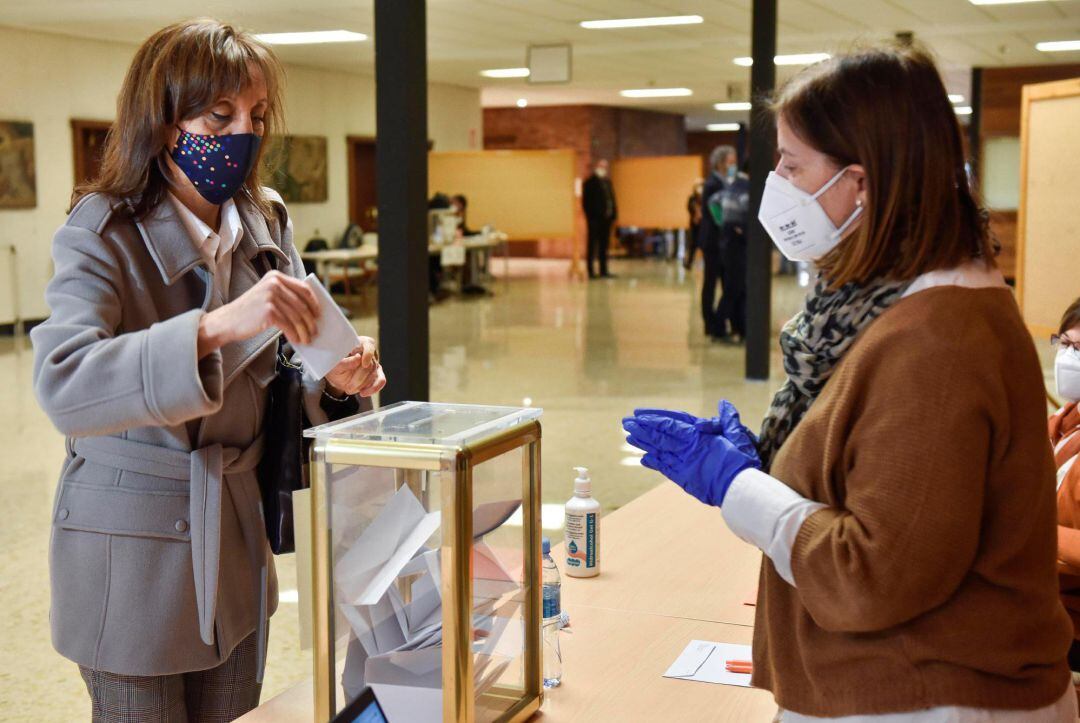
(425, 562)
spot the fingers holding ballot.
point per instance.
(360, 372)
(349, 363)
(701, 456)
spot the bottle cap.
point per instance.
(545, 545)
(583, 483)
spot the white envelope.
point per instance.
(375, 559)
(336, 337)
(706, 662)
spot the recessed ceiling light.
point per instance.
(1003, 2)
(1058, 46)
(505, 73)
(521, 103)
(962, 110)
(956, 98)
(318, 36)
(735, 105)
(722, 127)
(655, 92)
(796, 59)
(642, 22)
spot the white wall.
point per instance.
(50, 79)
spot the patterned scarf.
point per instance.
(813, 343)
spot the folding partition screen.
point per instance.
(651, 192)
(525, 194)
(1048, 232)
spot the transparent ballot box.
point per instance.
(425, 559)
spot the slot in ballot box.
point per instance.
(425, 559)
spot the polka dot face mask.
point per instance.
(216, 165)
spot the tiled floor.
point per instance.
(587, 353)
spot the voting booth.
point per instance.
(425, 562)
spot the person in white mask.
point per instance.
(1065, 437)
(901, 488)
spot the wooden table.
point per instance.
(670, 572)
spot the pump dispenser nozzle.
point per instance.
(582, 483)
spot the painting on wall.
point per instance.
(296, 168)
(18, 188)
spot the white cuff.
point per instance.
(765, 512)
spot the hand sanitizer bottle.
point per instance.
(582, 529)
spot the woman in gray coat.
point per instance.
(175, 275)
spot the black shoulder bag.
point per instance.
(283, 467)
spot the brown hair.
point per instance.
(886, 109)
(1071, 317)
(180, 72)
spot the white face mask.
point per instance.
(601, 172)
(1067, 374)
(796, 222)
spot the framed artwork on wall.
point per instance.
(295, 166)
(18, 186)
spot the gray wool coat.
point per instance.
(158, 559)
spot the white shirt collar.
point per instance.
(971, 275)
(213, 245)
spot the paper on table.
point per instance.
(706, 662)
(336, 337)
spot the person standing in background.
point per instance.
(694, 207)
(735, 205)
(723, 162)
(598, 201)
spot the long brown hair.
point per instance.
(1071, 317)
(886, 109)
(179, 73)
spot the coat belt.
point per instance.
(207, 469)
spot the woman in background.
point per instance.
(1065, 436)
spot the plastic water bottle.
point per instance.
(552, 619)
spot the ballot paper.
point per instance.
(375, 560)
(335, 339)
(706, 662)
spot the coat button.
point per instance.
(62, 514)
(181, 525)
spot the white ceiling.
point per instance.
(466, 36)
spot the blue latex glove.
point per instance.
(726, 423)
(703, 464)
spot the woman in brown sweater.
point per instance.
(901, 489)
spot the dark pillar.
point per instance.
(401, 167)
(759, 249)
(975, 127)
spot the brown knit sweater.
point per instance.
(930, 579)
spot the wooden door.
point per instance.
(88, 145)
(363, 195)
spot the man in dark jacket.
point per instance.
(722, 164)
(598, 201)
(735, 203)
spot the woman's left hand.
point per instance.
(359, 373)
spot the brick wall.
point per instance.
(594, 132)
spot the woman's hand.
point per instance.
(702, 463)
(359, 373)
(276, 301)
(726, 424)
